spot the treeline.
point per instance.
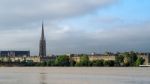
(122, 59)
(65, 61)
(128, 59)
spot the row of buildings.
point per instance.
(15, 56)
(75, 57)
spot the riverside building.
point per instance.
(14, 53)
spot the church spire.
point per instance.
(42, 34)
(42, 50)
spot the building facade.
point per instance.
(14, 53)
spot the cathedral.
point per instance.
(42, 45)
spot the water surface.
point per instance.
(74, 75)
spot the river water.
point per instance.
(74, 75)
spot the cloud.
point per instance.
(61, 40)
(21, 12)
(20, 25)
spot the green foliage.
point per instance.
(72, 63)
(29, 63)
(133, 58)
(109, 63)
(51, 63)
(130, 58)
(139, 61)
(84, 61)
(122, 59)
(62, 61)
(119, 60)
(43, 63)
(98, 63)
(37, 64)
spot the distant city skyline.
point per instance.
(75, 26)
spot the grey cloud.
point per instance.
(21, 12)
(61, 40)
(76, 41)
(21, 20)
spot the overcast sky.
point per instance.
(75, 26)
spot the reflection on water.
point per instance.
(90, 75)
(43, 78)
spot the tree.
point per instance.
(84, 61)
(43, 63)
(109, 63)
(134, 57)
(97, 63)
(29, 63)
(51, 63)
(72, 62)
(130, 58)
(119, 60)
(139, 61)
(62, 61)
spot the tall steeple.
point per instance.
(42, 34)
(42, 47)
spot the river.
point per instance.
(74, 75)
